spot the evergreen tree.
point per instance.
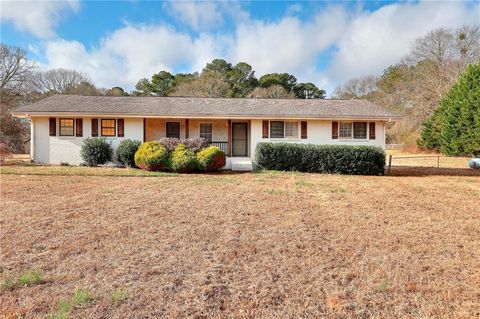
(454, 128)
(460, 133)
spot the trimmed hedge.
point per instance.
(211, 159)
(126, 152)
(96, 151)
(152, 156)
(331, 159)
(183, 159)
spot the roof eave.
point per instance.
(213, 116)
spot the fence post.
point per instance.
(438, 161)
(389, 164)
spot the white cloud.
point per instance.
(131, 53)
(375, 40)
(36, 17)
(200, 16)
(288, 45)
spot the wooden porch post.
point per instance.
(229, 153)
(187, 128)
(144, 129)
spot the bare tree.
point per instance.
(14, 67)
(203, 86)
(272, 92)
(63, 81)
(467, 44)
(357, 88)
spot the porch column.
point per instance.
(144, 129)
(187, 128)
(229, 153)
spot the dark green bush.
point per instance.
(152, 156)
(126, 152)
(332, 159)
(211, 159)
(183, 159)
(96, 151)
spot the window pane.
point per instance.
(173, 129)
(66, 127)
(276, 129)
(206, 131)
(107, 127)
(345, 130)
(360, 130)
(291, 129)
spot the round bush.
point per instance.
(152, 156)
(183, 159)
(126, 152)
(96, 151)
(196, 144)
(211, 159)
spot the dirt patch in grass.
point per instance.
(264, 245)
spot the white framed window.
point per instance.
(291, 129)
(173, 129)
(360, 130)
(353, 130)
(277, 129)
(345, 130)
(206, 131)
(66, 127)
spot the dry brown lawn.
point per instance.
(269, 245)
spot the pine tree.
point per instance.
(454, 129)
(460, 133)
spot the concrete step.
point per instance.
(242, 165)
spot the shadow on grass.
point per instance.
(431, 171)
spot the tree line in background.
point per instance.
(21, 82)
(222, 79)
(416, 85)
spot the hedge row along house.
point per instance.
(60, 123)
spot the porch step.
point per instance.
(242, 165)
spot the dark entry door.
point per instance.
(239, 139)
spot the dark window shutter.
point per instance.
(120, 128)
(334, 130)
(79, 127)
(372, 131)
(304, 129)
(94, 127)
(52, 123)
(265, 129)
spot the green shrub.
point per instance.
(211, 159)
(126, 152)
(30, 278)
(152, 156)
(183, 159)
(332, 159)
(96, 151)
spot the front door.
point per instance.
(239, 139)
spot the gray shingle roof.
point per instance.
(213, 107)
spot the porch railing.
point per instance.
(221, 145)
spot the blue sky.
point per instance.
(119, 42)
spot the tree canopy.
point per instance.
(220, 78)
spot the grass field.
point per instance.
(270, 245)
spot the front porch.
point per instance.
(231, 136)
